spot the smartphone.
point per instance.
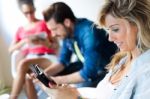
(41, 76)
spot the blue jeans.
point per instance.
(76, 66)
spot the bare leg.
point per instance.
(20, 56)
(23, 68)
(30, 90)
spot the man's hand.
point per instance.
(60, 79)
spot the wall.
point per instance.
(5, 74)
(81, 8)
(11, 18)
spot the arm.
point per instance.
(92, 55)
(17, 42)
(16, 45)
(59, 92)
(54, 69)
(69, 79)
(142, 89)
(64, 59)
(91, 64)
(71, 92)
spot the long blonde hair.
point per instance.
(136, 12)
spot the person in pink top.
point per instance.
(35, 45)
(35, 39)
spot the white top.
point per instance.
(103, 91)
(105, 88)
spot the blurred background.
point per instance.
(11, 18)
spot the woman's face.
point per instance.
(28, 11)
(121, 32)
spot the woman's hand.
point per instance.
(62, 92)
(40, 41)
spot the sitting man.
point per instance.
(82, 37)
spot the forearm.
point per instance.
(74, 78)
(69, 79)
(54, 69)
(65, 92)
(15, 46)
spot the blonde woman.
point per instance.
(128, 25)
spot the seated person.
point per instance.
(35, 45)
(82, 37)
(128, 26)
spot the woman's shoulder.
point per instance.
(143, 59)
(142, 65)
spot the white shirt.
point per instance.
(105, 88)
(103, 91)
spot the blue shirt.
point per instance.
(94, 46)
